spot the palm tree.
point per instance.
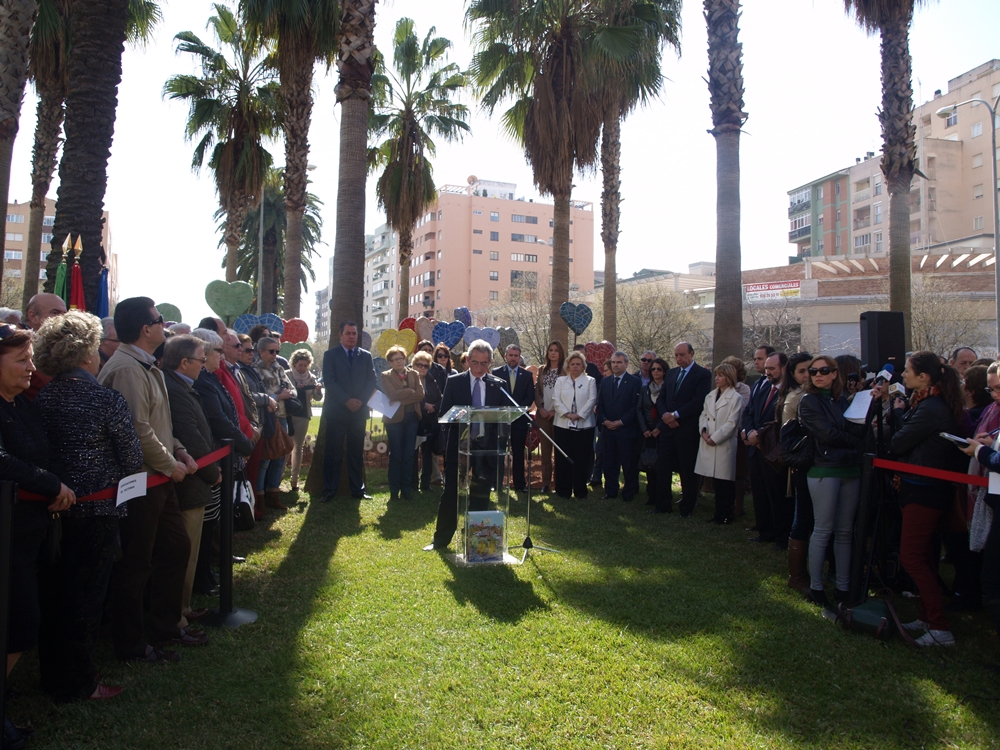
(47, 67)
(891, 19)
(304, 32)
(276, 242)
(233, 105)
(725, 84)
(412, 105)
(627, 86)
(16, 18)
(538, 52)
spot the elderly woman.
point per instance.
(308, 391)
(718, 425)
(401, 385)
(94, 445)
(279, 387)
(25, 458)
(573, 401)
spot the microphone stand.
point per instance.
(527, 545)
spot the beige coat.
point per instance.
(721, 418)
(410, 392)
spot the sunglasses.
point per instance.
(157, 322)
(643, 359)
(421, 365)
(7, 330)
(656, 369)
(271, 351)
(247, 350)
(444, 355)
(820, 370)
(217, 350)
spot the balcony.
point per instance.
(862, 223)
(864, 195)
(381, 289)
(799, 208)
(799, 233)
(428, 283)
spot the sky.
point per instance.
(812, 92)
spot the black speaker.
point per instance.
(882, 340)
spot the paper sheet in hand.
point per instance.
(994, 488)
(381, 403)
(130, 487)
(858, 409)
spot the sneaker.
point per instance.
(916, 625)
(936, 638)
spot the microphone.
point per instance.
(885, 375)
(896, 390)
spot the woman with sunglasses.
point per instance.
(834, 479)
(649, 421)
(935, 405)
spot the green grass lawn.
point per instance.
(642, 632)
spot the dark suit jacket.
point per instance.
(753, 416)
(191, 428)
(344, 381)
(458, 392)
(619, 405)
(524, 389)
(688, 401)
(595, 372)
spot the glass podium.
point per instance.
(483, 481)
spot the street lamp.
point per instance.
(945, 113)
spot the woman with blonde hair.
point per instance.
(307, 391)
(718, 426)
(401, 385)
(573, 402)
(545, 387)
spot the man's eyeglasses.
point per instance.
(643, 359)
(992, 390)
(203, 360)
(157, 322)
(820, 371)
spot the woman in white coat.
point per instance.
(574, 399)
(718, 426)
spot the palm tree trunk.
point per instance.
(405, 257)
(296, 94)
(16, 18)
(611, 172)
(43, 166)
(558, 330)
(899, 154)
(728, 329)
(267, 287)
(95, 70)
(236, 210)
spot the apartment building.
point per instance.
(846, 213)
(477, 245)
(321, 331)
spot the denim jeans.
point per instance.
(835, 504)
(402, 438)
(271, 469)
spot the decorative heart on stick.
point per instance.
(366, 341)
(448, 334)
(407, 323)
(169, 312)
(598, 354)
(425, 328)
(390, 338)
(245, 322)
(489, 335)
(295, 330)
(228, 299)
(463, 314)
(287, 348)
(380, 366)
(508, 336)
(274, 324)
(471, 334)
(577, 317)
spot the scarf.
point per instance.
(300, 380)
(917, 396)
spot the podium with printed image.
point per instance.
(483, 481)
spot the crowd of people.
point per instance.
(85, 403)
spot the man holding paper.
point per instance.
(349, 379)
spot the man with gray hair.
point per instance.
(616, 418)
(474, 387)
(109, 341)
(645, 362)
(522, 389)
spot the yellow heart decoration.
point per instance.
(406, 338)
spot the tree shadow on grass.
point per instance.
(495, 591)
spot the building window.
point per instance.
(862, 241)
(952, 119)
(550, 242)
(524, 279)
(551, 222)
(494, 255)
(12, 255)
(48, 221)
(439, 273)
(836, 188)
(477, 231)
(878, 187)
(15, 218)
(878, 242)
(821, 247)
(15, 237)
(477, 252)
(838, 215)
(517, 238)
(533, 239)
(494, 236)
(819, 192)
(439, 255)
(516, 257)
(530, 219)
(878, 213)
(799, 196)
(494, 276)
(494, 296)
(977, 129)
(530, 258)
(838, 243)
(517, 218)
(977, 223)
(439, 294)
(977, 192)
(494, 216)
(440, 214)
(801, 221)
(977, 161)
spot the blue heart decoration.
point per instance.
(273, 322)
(463, 314)
(577, 317)
(492, 335)
(366, 341)
(245, 322)
(381, 366)
(471, 334)
(448, 334)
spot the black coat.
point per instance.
(24, 458)
(644, 411)
(220, 411)
(837, 442)
(192, 430)
(915, 438)
(619, 405)
(524, 388)
(688, 400)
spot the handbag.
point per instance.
(278, 445)
(876, 617)
(647, 457)
(770, 444)
(797, 449)
(295, 407)
(243, 502)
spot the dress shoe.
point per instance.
(393, 496)
(103, 692)
(196, 614)
(362, 496)
(188, 636)
(425, 488)
(154, 655)
(327, 496)
(237, 560)
(407, 496)
(610, 497)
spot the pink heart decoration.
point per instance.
(425, 328)
(296, 331)
(407, 324)
(598, 354)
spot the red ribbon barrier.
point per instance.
(923, 471)
(153, 480)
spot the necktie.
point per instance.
(475, 429)
(680, 379)
(617, 381)
(350, 356)
(770, 397)
(513, 378)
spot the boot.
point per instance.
(273, 501)
(258, 506)
(798, 579)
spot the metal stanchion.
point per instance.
(227, 615)
(8, 494)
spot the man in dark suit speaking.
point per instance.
(474, 387)
(616, 418)
(682, 398)
(522, 388)
(349, 379)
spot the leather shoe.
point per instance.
(237, 560)
(102, 692)
(153, 655)
(610, 497)
(362, 496)
(188, 636)
(197, 614)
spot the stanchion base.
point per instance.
(234, 619)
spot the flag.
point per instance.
(61, 271)
(77, 300)
(102, 294)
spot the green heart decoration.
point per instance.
(228, 299)
(287, 348)
(169, 312)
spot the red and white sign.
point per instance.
(773, 290)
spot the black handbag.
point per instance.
(647, 457)
(797, 450)
(295, 407)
